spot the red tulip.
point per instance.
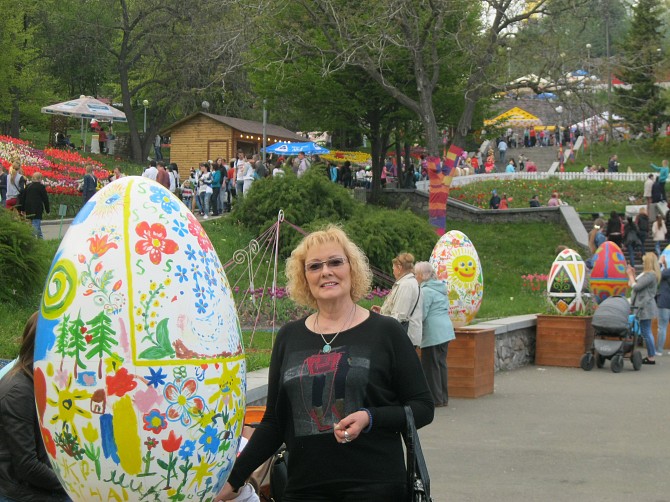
(172, 443)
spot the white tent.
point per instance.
(597, 121)
(86, 107)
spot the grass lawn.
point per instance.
(586, 196)
(636, 154)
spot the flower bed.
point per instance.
(62, 170)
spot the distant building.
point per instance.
(202, 136)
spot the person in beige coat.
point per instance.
(404, 301)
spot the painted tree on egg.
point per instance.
(101, 338)
(76, 342)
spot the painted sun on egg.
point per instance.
(139, 365)
(456, 263)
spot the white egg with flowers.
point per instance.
(456, 263)
(139, 365)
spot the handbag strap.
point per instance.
(416, 463)
(415, 304)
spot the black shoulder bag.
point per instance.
(418, 480)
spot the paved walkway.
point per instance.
(555, 434)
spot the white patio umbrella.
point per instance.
(86, 107)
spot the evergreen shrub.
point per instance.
(24, 260)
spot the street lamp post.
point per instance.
(509, 65)
(145, 103)
(265, 123)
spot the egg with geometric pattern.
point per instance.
(139, 369)
(565, 282)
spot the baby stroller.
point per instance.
(616, 332)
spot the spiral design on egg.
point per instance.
(60, 289)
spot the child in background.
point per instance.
(187, 192)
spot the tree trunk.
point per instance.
(430, 124)
(398, 159)
(376, 148)
(465, 122)
(15, 120)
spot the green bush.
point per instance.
(383, 233)
(304, 200)
(24, 260)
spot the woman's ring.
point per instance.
(347, 439)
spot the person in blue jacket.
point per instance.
(438, 331)
(663, 172)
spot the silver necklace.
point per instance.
(327, 347)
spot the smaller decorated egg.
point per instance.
(608, 277)
(457, 264)
(565, 282)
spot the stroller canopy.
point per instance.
(612, 315)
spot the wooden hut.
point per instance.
(203, 136)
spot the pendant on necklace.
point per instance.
(326, 348)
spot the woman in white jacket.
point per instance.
(404, 301)
(249, 176)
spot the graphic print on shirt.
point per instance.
(320, 388)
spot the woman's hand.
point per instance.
(226, 493)
(351, 426)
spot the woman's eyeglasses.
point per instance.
(316, 266)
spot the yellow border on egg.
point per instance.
(131, 306)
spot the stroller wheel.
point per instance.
(617, 363)
(600, 360)
(587, 361)
(636, 359)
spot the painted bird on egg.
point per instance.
(566, 281)
(456, 263)
(139, 365)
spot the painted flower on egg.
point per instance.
(139, 367)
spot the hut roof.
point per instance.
(242, 125)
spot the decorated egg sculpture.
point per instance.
(565, 282)
(608, 277)
(456, 263)
(139, 366)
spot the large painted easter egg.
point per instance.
(456, 263)
(139, 368)
(565, 282)
(608, 277)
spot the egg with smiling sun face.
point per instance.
(457, 264)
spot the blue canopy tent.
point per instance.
(308, 148)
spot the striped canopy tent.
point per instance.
(86, 107)
(514, 118)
